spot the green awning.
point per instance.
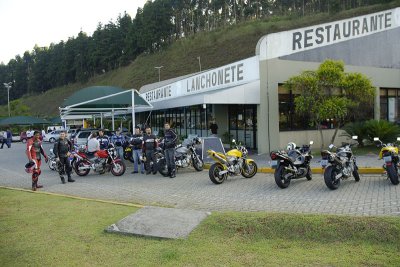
(102, 99)
(23, 120)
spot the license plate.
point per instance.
(274, 163)
(324, 162)
(387, 159)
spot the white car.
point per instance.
(52, 136)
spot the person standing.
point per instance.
(170, 138)
(61, 151)
(103, 140)
(214, 128)
(34, 150)
(93, 145)
(3, 139)
(137, 145)
(118, 140)
(149, 147)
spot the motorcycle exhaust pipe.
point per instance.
(222, 172)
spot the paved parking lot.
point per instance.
(373, 195)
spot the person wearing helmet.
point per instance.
(34, 150)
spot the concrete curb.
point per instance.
(361, 170)
(73, 197)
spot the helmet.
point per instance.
(291, 146)
(30, 166)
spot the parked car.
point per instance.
(52, 136)
(81, 138)
(23, 137)
(16, 137)
(71, 133)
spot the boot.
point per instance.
(62, 179)
(33, 186)
(169, 172)
(70, 179)
(173, 175)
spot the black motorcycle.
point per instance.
(342, 165)
(185, 156)
(291, 164)
(128, 152)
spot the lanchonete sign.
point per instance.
(289, 42)
(231, 75)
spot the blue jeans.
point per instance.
(120, 151)
(136, 153)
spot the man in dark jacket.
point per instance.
(103, 140)
(149, 147)
(62, 150)
(137, 144)
(170, 138)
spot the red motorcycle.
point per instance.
(102, 161)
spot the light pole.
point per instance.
(8, 86)
(159, 68)
(199, 62)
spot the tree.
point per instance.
(329, 92)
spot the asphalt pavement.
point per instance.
(373, 195)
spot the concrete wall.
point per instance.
(275, 71)
(304, 137)
(220, 113)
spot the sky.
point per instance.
(24, 23)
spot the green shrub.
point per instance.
(386, 131)
(356, 128)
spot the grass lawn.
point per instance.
(43, 230)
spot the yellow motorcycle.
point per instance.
(390, 155)
(234, 162)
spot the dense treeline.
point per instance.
(154, 27)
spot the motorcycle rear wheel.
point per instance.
(280, 179)
(81, 172)
(252, 170)
(129, 156)
(119, 168)
(392, 174)
(329, 178)
(213, 173)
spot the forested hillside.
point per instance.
(169, 33)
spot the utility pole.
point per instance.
(159, 68)
(199, 62)
(8, 86)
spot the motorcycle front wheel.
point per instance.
(197, 163)
(118, 168)
(129, 156)
(392, 174)
(82, 164)
(249, 170)
(280, 177)
(162, 167)
(330, 178)
(214, 171)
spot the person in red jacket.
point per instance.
(34, 150)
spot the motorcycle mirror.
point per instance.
(354, 137)
(311, 142)
(331, 146)
(233, 141)
(398, 139)
(376, 138)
